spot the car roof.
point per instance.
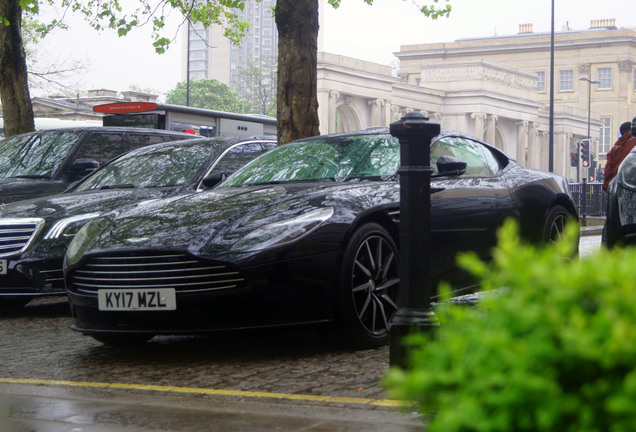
(219, 142)
(107, 129)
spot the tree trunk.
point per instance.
(14, 89)
(297, 112)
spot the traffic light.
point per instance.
(574, 158)
(585, 152)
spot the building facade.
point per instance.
(594, 77)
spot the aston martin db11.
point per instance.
(307, 233)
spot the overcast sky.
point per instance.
(355, 29)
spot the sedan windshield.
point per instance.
(34, 155)
(150, 168)
(335, 158)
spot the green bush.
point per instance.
(554, 351)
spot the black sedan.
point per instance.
(34, 234)
(307, 233)
(46, 162)
(620, 220)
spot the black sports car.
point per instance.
(620, 220)
(34, 234)
(306, 233)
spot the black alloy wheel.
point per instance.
(370, 285)
(554, 226)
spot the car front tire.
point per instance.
(369, 285)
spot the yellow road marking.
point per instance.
(214, 392)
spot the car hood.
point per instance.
(209, 223)
(57, 207)
(17, 188)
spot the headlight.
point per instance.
(280, 233)
(627, 172)
(82, 239)
(69, 226)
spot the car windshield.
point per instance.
(34, 155)
(150, 168)
(334, 158)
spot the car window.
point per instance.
(143, 139)
(102, 147)
(480, 162)
(360, 156)
(165, 167)
(237, 156)
(35, 154)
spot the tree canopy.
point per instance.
(296, 22)
(205, 93)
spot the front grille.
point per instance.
(53, 278)
(153, 270)
(17, 234)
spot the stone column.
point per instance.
(479, 124)
(333, 99)
(522, 143)
(491, 129)
(376, 112)
(544, 150)
(396, 113)
(534, 146)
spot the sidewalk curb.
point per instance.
(592, 230)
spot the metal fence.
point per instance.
(589, 198)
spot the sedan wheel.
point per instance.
(555, 222)
(370, 285)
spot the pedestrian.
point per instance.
(621, 148)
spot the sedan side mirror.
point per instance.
(214, 179)
(450, 165)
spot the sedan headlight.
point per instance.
(627, 172)
(280, 233)
(82, 239)
(69, 226)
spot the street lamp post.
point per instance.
(589, 105)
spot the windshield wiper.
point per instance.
(31, 176)
(119, 186)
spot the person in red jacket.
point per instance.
(616, 155)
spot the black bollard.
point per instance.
(415, 133)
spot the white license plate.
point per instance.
(136, 299)
(3, 267)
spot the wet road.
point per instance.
(53, 379)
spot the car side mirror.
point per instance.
(450, 165)
(82, 167)
(214, 179)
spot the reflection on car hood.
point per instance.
(211, 222)
(57, 207)
(14, 187)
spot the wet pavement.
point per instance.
(52, 409)
(54, 379)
